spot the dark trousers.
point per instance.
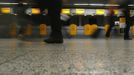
(55, 22)
(22, 22)
(128, 24)
(111, 23)
(54, 10)
(127, 28)
(22, 18)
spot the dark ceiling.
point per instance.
(71, 1)
(94, 1)
(87, 1)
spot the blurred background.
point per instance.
(79, 18)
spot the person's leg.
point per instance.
(22, 23)
(111, 23)
(55, 22)
(56, 26)
(127, 28)
(109, 31)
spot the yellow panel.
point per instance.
(122, 20)
(116, 12)
(106, 27)
(13, 31)
(36, 11)
(29, 30)
(94, 28)
(90, 29)
(132, 29)
(73, 29)
(100, 11)
(43, 29)
(80, 11)
(87, 29)
(6, 10)
(65, 11)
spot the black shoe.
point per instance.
(54, 40)
(128, 38)
(20, 36)
(107, 37)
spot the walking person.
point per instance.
(124, 6)
(22, 18)
(54, 10)
(126, 11)
(111, 23)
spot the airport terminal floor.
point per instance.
(86, 51)
(74, 57)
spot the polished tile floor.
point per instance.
(74, 57)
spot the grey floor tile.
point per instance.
(74, 57)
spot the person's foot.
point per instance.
(107, 37)
(53, 40)
(20, 36)
(128, 38)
